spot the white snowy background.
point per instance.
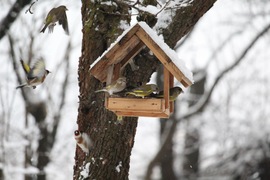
(238, 115)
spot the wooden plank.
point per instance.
(116, 71)
(162, 56)
(166, 87)
(109, 74)
(171, 83)
(144, 114)
(135, 104)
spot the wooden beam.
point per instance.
(171, 83)
(116, 71)
(145, 114)
(109, 77)
(166, 87)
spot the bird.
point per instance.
(83, 141)
(115, 87)
(144, 90)
(173, 93)
(54, 15)
(35, 75)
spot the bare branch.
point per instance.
(11, 16)
(29, 9)
(15, 68)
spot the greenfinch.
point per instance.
(83, 141)
(144, 90)
(35, 75)
(115, 87)
(173, 93)
(56, 15)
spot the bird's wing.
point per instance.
(38, 70)
(50, 16)
(25, 66)
(63, 20)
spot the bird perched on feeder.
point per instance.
(173, 93)
(35, 75)
(115, 87)
(83, 141)
(144, 90)
(54, 15)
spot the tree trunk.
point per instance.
(113, 142)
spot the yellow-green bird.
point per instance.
(35, 75)
(54, 15)
(144, 90)
(115, 87)
(173, 93)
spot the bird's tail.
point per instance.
(21, 86)
(44, 28)
(101, 90)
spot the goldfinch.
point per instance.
(83, 141)
(35, 75)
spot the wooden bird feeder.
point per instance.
(107, 68)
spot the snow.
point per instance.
(165, 17)
(84, 173)
(117, 168)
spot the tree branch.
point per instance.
(12, 16)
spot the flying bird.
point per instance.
(35, 75)
(56, 15)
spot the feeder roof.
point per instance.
(130, 43)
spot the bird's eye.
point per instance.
(76, 132)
